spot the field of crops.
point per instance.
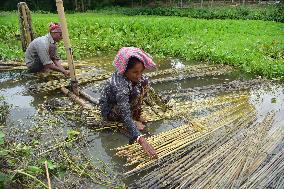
(255, 46)
(216, 127)
(253, 12)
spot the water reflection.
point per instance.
(269, 99)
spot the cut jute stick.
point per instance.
(47, 175)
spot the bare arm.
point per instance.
(58, 64)
(56, 60)
(148, 148)
(57, 68)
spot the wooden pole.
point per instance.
(66, 40)
(25, 24)
(76, 98)
(25, 20)
(89, 98)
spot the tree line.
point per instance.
(84, 5)
(75, 5)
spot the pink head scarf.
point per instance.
(125, 53)
(54, 27)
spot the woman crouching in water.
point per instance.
(123, 93)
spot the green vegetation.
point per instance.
(254, 46)
(269, 13)
(25, 151)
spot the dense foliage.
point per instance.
(82, 5)
(49, 5)
(192, 9)
(254, 46)
(272, 13)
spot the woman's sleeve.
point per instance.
(122, 98)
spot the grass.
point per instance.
(254, 46)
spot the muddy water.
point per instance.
(24, 104)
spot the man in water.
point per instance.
(41, 54)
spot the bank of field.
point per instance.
(254, 46)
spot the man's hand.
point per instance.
(57, 67)
(66, 73)
(148, 148)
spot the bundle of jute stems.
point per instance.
(230, 169)
(171, 141)
(183, 160)
(271, 174)
(12, 68)
(195, 71)
(176, 153)
(233, 160)
(177, 108)
(183, 108)
(57, 84)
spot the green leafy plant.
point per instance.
(1, 137)
(254, 46)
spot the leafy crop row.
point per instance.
(254, 46)
(269, 13)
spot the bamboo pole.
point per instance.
(76, 98)
(66, 40)
(11, 68)
(88, 97)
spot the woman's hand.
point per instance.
(142, 120)
(140, 125)
(148, 148)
